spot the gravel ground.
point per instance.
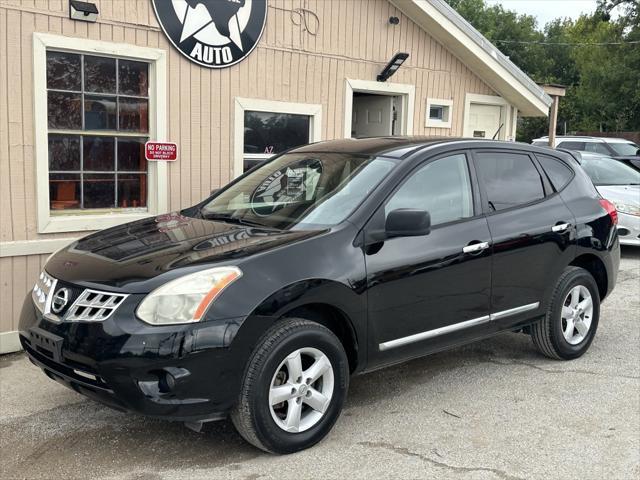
(492, 410)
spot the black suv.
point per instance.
(331, 259)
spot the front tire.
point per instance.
(294, 387)
(571, 321)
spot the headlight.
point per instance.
(186, 299)
(628, 209)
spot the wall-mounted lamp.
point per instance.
(391, 67)
(83, 11)
(394, 20)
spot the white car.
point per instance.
(619, 184)
(614, 147)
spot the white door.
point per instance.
(372, 115)
(484, 121)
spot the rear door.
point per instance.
(531, 230)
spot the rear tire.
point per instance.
(294, 387)
(571, 321)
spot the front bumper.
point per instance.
(125, 363)
(629, 229)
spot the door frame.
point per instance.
(506, 114)
(404, 90)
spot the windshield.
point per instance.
(625, 149)
(607, 171)
(300, 191)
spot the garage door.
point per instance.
(484, 121)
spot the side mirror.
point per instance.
(407, 222)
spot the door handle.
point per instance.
(475, 247)
(561, 227)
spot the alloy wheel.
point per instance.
(577, 314)
(301, 390)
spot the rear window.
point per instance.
(625, 149)
(510, 179)
(557, 171)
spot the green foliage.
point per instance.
(603, 81)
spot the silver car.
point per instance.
(619, 184)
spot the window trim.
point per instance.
(157, 200)
(269, 106)
(447, 106)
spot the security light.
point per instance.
(84, 11)
(391, 67)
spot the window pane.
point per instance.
(441, 187)
(274, 132)
(134, 78)
(134, 114)
(99, 74)
(435, 113)
(99, 191)
(596, 147)
(132, 190)
(571, 145)
(64, 191)
(98, 154)
(99, 113)
(131, 155)
(63, 110)
(64, 152)
(509, 178)
(559, 174)
(63, 71)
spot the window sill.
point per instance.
(83, 223)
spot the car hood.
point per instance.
(139, 256)
(621, 193)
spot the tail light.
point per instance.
(610, 209)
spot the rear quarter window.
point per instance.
(572, 146)
(557, 171)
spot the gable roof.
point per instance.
(447, 26)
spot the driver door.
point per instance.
(430, 291)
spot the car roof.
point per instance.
(395, 147)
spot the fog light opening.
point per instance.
(166, 382)
(623, 232)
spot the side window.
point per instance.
(572, 146)
(510, 179)
(441, 187)
(596, 148)
(559, 174)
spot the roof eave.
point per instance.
(443, 23)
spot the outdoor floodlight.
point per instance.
(391, 67)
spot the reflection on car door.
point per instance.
(426, 290)
(531, 230)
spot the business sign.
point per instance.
(154, 151)
(212, 33)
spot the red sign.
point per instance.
(167, 151)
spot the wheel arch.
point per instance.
(596, 267)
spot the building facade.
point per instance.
(78, 101)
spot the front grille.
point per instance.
(94, 306)
(61, 301)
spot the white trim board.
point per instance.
(260, 105)
(407, 91)
(9, 342)
(33, 247)
(157, 173)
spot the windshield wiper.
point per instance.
(229, 219)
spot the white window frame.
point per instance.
(157, 201)
(269, 106)
(447, 107)
(405, 90)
